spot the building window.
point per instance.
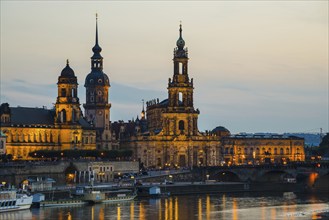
(181, 125)
(287, 151)
(281, 150)
(180, 68)
(63, 92)
(180, 98)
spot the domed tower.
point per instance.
(68, 110)
(181, 116)
(97, 107)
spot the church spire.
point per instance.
(97, 59)
(96, 40)
(180, 42)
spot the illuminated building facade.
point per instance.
(260, 149)
(30, 129)
(168, 134)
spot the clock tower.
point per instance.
(97, 107)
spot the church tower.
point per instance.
(68, 112)
(97, 107)
(67, 104)
(181, 118)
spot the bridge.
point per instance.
(309, 173)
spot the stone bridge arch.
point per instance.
(70, 173)
(276, 175)
(226, 176)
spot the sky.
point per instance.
(257, 66)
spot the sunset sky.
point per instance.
(258, 66)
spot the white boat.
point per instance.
(10, 200)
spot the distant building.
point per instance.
(60, 128)
(259, 149)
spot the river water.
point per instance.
(211, 206)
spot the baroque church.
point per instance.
(165, 135)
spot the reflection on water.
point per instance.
(215, 206)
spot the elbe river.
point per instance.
(225, 206)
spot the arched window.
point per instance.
(275, 151)
(74, 92)
(180, 68)
(181, 125)
(281, 150)
(63, 116)
(180, 98)
(63, 92)
(287, 151)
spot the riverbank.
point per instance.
(185, 188)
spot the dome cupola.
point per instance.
(180, 42)
(67, 71)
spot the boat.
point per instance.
(92, 194)
(119, 196)
(10, 200)
(62, 202)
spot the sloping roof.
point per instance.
(27, 116)
(84, 123)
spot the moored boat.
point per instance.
(62, 202)
(10, 200)
(119, 196)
